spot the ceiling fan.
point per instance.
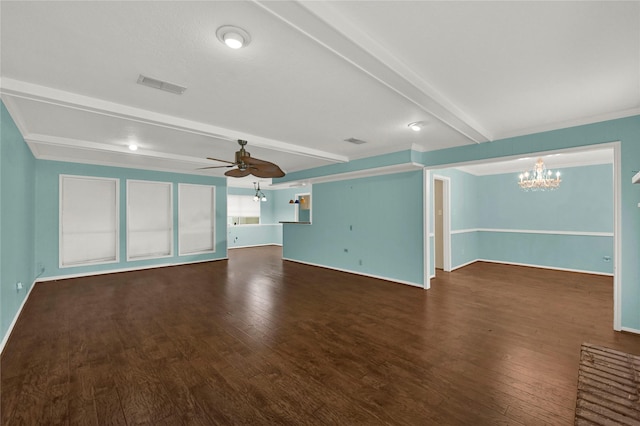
(247, 165)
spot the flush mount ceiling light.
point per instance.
(416, 126)
(133, 147)
(233, 37)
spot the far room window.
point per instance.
(88, 220)
(149, 219)
(242, 210)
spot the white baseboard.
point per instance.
(357, 273)
(630, 330)
(15, 318)
(463, 265)
(133, 268)
(254, 245)
(532, 265)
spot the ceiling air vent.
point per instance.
(355, 141)
(162, 85)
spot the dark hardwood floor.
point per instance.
(255, 340)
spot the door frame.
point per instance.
(617, 215)
(429, 233)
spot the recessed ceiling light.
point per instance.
(133, 147)
(233, 37)
(416, 126)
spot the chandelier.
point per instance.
(539, 178)
(259, 194)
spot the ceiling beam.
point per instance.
(33, 92)
(320, 22)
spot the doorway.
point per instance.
(430, 263)
(437, 196)
(441, 223)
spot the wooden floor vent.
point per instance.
(608, 387)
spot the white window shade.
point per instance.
(196, 213)
(149, 219)
(242, 206)
(88, 220)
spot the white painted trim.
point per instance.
(535, 231)
(569, 123)
(355, 272)
(5, 339)
(213, 212)
(533, 265)
(116, 181)
(254, 245)
(617, 237)
(252, 225)
(133, 268)
(171, 218)
(446, 220)
(363, 52)
(630, 330)
(464, 231)
(426, 242)
(464, 264)
(357, 174)
(14, 111)
(636, 178)
(48, 95)
(34, 138)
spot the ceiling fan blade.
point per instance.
(261, 173)
(265, 168)
(215, 167)
(238, 173)
(223, 161)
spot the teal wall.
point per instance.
(624, 130)
(370, 225)
(47, 215)
(272, 211)
(582, 204)
(17, 201)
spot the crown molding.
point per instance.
(33, 92)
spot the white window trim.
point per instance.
(213, 212)
(61, 178)
(171, 208)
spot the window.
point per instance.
(242, 210)
(88, 220)
(149, 219)
(196, 214)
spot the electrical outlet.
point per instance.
(18, 286)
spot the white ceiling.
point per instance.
(314, 74)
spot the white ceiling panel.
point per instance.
(314, 74)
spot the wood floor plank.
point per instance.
(260, 341)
